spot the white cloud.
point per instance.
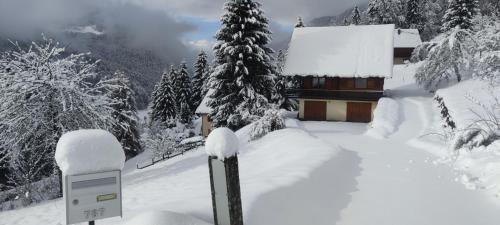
(205, 45)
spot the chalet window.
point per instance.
(361, 83)
(319, 82)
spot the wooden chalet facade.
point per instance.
(338, 99)
(405, 41)
(351, 85)
(204, 111)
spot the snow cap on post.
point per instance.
(222, 143)
(89, 151)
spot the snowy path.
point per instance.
(374, 181)
(399, 184)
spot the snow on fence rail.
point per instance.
(172, 153)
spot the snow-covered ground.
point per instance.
(314, 173)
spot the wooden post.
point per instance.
(226, 195)
(59, 175)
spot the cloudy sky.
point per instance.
(171, 24)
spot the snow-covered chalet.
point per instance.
(405, 41)
(204, 110)
(341, 70)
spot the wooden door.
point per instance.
(359, 112)
(315, 110)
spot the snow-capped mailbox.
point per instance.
(91, 197)
(91, 163)
(222, 147)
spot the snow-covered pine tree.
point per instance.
(184, 105)
(45, 93)
(125, 127)
(243, 81)
(432, 11)
(386, 12)
(345, 22)
(164, 100)
(414, 18)
(449, 60)
(487, 37)
(280, 61)
(299, 23)
(280, 97)
(199, 78)
(355, 16)
(460, 13)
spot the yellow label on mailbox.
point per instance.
(102, 198)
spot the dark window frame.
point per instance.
(361, 83)
(319, 82)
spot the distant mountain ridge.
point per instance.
(335, 20)
(143, 67)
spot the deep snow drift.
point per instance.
(164, 218)
(385, 118)
(182, 184)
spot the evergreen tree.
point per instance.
(124, 113)
(414, 18)
(280, 97)
(299, 23)
(433, 13)
(184, 105)
(386, 12)
(345, 22)
(200, 78)
(164, 99)
(460, 13)
(355, 16)
(243, 81)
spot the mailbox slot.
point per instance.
(92, 197)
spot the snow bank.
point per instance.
(472, 154)
(385, 118)
(462, 100)
(164, 218)
(222, 143)
(89, 151)
(182, 184)
(481, 168)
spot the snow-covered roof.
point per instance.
(203, 108)
(343, 51)
(406, 38)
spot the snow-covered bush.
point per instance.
(44, 92)
(421, 52)
(385, 118)
(272, 120)
(448, 122)
(158, 140)
(45, 189)
(450, 60)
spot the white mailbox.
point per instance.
(91, 197)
